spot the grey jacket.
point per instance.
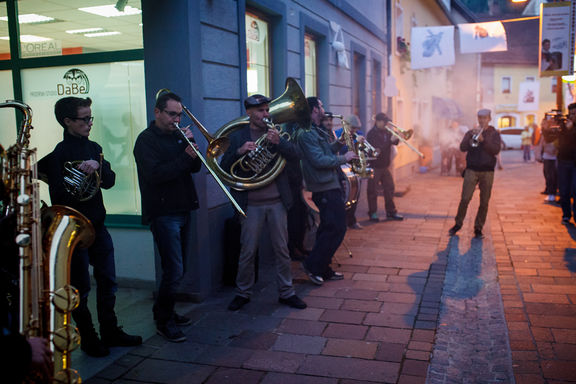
(320, 162)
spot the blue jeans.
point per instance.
(171, 237)
(566, 188)
(101, 256)
(330, 232)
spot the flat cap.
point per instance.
(484, 112)
(382, 116)
(354, 121)
(256, 100)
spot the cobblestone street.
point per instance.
(416, 306)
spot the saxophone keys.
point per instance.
(66, 299)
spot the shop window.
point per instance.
(506, 84)
(72, 29)
(257, 55)
(506, 121)
(4, 39)
(119, 110)
(310, 65)
(7, 116)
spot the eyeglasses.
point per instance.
(87, 119)
(172, 114)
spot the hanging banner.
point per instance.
(528, 96)
(482, 37)
(432, 47)
(556, 39)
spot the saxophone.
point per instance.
(46, 241)
(359, 166)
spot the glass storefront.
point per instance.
(257, 55)
(310, 65)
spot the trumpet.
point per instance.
(216, 147)
(403, 136)
(475, 139)
(257, 160)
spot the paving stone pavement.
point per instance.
(415, 306)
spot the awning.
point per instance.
(446, 108)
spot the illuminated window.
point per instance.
(506, 84)
(310, 65)
(4, 39)
(66, 29)
(257, 55)
(506, 121)
(119, 110)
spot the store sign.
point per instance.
(43, 48)
(75, 82)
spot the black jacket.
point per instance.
(285, 148)
(383, 140)
(164, 173)
(74, 148)
(482, 157)
(566, 144)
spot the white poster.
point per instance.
(555, 37)
(432, 47)
(482, 37)
(528, 95)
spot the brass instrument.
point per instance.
(256, 161)
(216, 147)
(289, 107)
(475, 139)
(403, 136)
(81, 185)
(359, 166)
(46, 297)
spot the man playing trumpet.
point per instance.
(264, 206)
(482, 145)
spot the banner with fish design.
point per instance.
(432, 47)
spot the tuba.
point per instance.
(45, 244)
(263, 167)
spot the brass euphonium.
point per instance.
(45, 247)
(289, 107)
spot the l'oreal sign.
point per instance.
(42, 48)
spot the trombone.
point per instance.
(216, 147)
(403, 136)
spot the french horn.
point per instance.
(290, 107)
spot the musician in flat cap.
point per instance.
(481, 145)
(265, 206)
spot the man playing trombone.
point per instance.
(383, 140)
(482, 145)
(165, 162)
(264, 206)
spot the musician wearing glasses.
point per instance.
(265, 206)
(320, 165)
(482, 146)
(383, 140)
(165, 162)
(74, 160)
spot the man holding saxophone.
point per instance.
(482, 145)
(165, 163)
(264, 206)
(77, 155)
(323, 177)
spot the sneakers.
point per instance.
(171, 332)
(318, 280)
(374, 217)
(394, 216)
(116, 337)
(335, 276)
(454, 229)
(478, 234)
(238, 302)
(293, 301)
(180, 320)
(92, 345)
(356, 226)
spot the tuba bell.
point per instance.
(289, 107)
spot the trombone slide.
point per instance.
(392, 131)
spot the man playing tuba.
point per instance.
(85, 156)
(264, 206)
